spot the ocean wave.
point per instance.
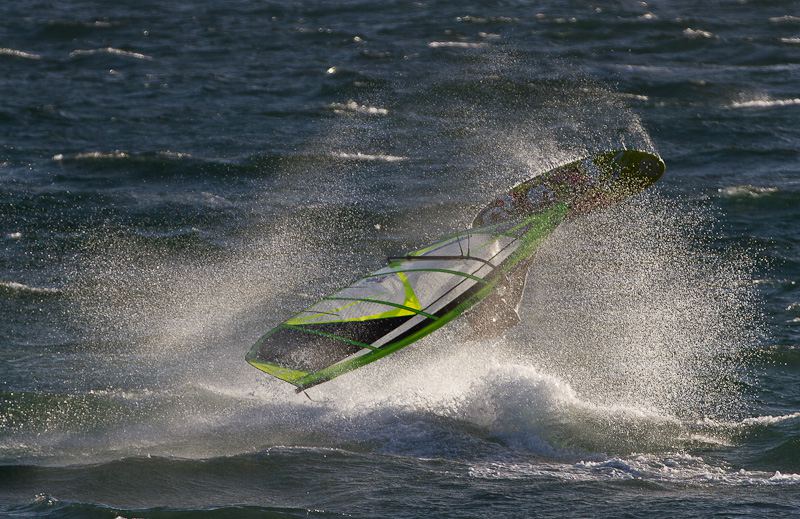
(162, 163)
(352, 106)
(368, 157)
(746, 190)
(456, 44)
(784, 478)
(769, 419)
(486, 19)
(792, 41)
(189, 198)
(681, 468)
(15, 288)
(167, 162)
(110, 50)
(118, 155)
(678, 468)
(690, 71)
(765, 102)
(44, 505)
(787, 18)
(523, 410)
(78, 24)
(694, 34)
(634, 97)
(92, 155)
(753, 421)
(4, 51)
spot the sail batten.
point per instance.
(415, 294)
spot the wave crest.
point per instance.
(765, 102)
(111, 51)
(20, 54)
(746, 190)
(15, 288)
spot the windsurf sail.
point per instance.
(419, 292)
(395, 306)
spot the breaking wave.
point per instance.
(113, 51)
(694, 34)
(456, 45)
(787, 18)
(747, 191)
(676, 468)
(765, 102)
(379, 157)
(20, 54)
(352, 106)
(14, 288)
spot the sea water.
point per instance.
(176, 178)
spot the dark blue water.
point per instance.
(176, 178)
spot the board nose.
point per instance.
(637, 170)
(651, 167)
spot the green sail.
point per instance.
(419, 292)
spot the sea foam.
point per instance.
(110, 50)
(765, 102)
(19, 54)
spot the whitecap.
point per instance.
(45, 499)
(792, 41)
(22, 288)
(481, 19)
(92, 155)
(119, 155)
(770, 420)
(367, 157)
(14, 235)
(746, 190)
(697, 33)
(19, 53)
(352, 106)
(110, 50)
(470, 18)
(456, 44)
(635, 97)
(753, 421)
(785, 478)
(787, 18)
(765, 102)
(174, 154)
(710, 440)
(669, 468)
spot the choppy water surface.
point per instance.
(176, 178)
